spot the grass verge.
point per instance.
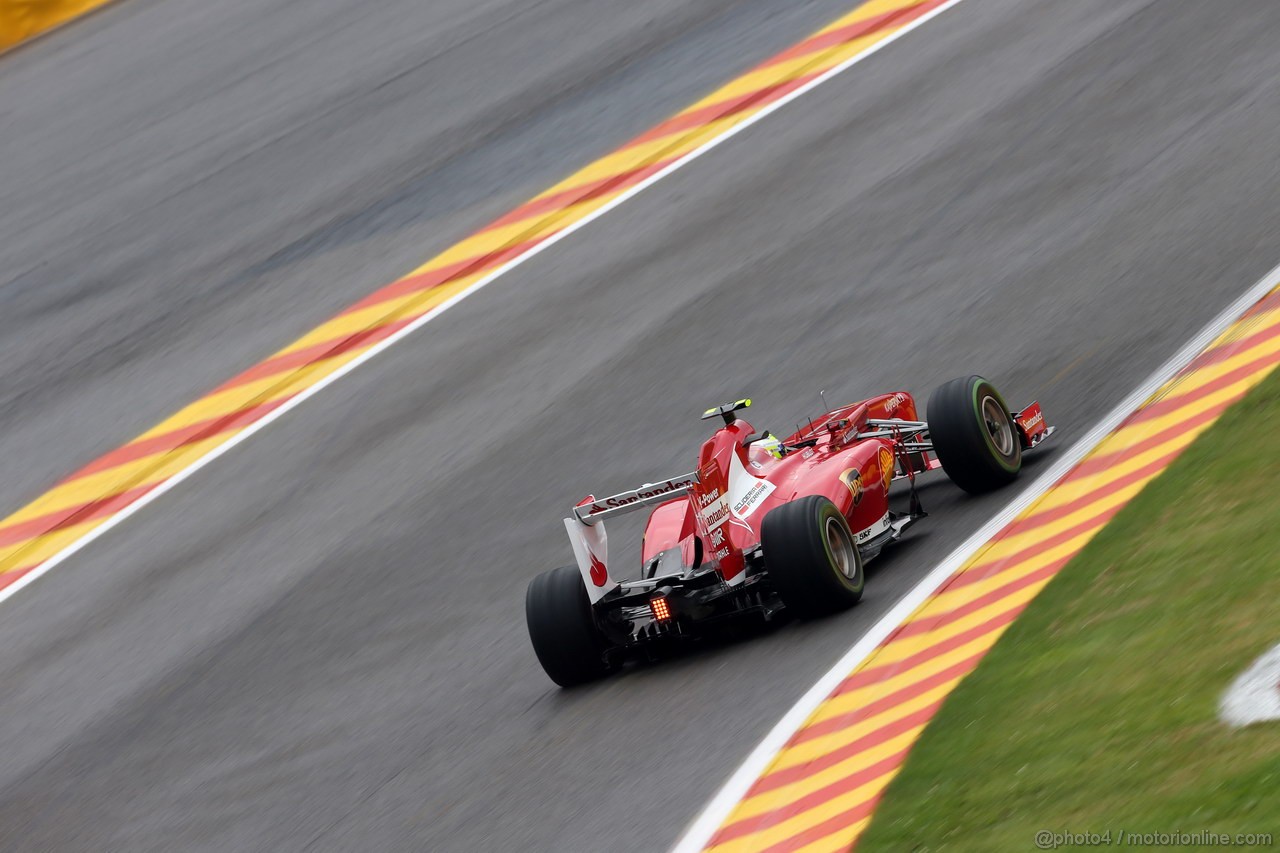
(1097, 710)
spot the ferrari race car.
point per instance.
(766, 524)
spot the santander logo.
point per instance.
(599, 574)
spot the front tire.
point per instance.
(974, 435)
(564, 634)
(811, 557)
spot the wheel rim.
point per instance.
(997, 425)
(841, 546)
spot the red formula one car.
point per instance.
(766, 524)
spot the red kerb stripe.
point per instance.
(762, 822)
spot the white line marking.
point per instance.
(310, 392)
(716, 811)
(1254, 697)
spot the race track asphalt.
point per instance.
(318, 642)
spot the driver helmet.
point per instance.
(770, 446)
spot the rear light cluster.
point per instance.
(660, 609)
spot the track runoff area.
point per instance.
(812, 784)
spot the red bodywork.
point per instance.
(714, 524)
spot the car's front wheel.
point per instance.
(974, 435)
(811, 556)
(564, 634)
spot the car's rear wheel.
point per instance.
(812, 558)
(565, 638)
(974, 435)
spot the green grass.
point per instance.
(1097, 710)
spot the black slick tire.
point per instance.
(974, 435)
(565, 638)
(811, 557)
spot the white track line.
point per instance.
(699, 834)
(308, 393)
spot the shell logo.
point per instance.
(886, 467)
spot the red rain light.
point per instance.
(660, 609)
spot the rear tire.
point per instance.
(564, 634)
(811, 557)
(974, 435)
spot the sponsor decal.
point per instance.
(1031, 419)
(599, 574)
(649, 490)
(711, 498)
(714, 507)
(808, 451)
(743, 506)
(891, 405)
(852, 479)
(746, 492)
(886, 467)
(879, 527)
(591, 553)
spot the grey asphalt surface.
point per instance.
(318, 642)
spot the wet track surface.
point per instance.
(318, 642)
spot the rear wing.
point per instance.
(592, 511)
(587, 535)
